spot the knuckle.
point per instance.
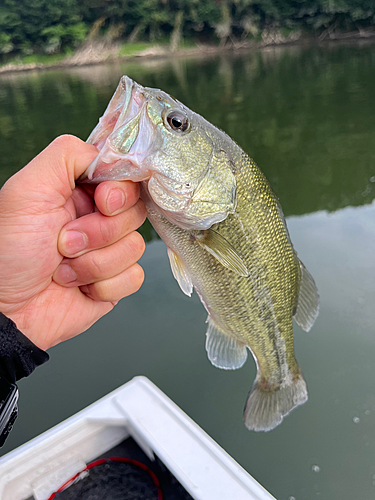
(132, 218)
(106, 230)
(103, 292)
(98, 267)
(136, 245)
(65, 141)
(137, 278)
(119, 287)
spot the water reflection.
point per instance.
(305, 115)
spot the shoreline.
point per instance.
(101, 53)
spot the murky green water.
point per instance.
(307, 116)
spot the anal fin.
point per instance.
(179, 271)
(222, 350)
(307, 302)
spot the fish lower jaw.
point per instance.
(110, 167)
(191, 222)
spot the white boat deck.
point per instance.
(140, 410)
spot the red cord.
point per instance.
(102, 461)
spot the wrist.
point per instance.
(25, 327)
(19, 356)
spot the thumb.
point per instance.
(49, 178)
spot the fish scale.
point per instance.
(226, 237)
(221, 287)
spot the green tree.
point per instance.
(54, 25)
(32, 24)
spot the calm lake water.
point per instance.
(307, 116)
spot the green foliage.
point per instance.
(37, 24)
(60, 35)
(6, 44)
(52, 26)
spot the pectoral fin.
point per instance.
(222, 250)
(222, 350)
(307, 302)
(180, 273)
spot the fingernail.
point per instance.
(65, 274)
(115, 200)
(74, 241)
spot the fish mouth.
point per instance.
(123, 148)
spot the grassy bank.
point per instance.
(101, 51)
(96, 53)
(87, 54)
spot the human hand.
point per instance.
(67, 254)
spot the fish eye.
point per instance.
(177, 121)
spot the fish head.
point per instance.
(186, 165)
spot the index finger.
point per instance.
(94, 231)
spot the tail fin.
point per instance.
(266, 408)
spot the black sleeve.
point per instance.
(18, 355)
(18, 358)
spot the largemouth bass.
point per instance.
(225, 233)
